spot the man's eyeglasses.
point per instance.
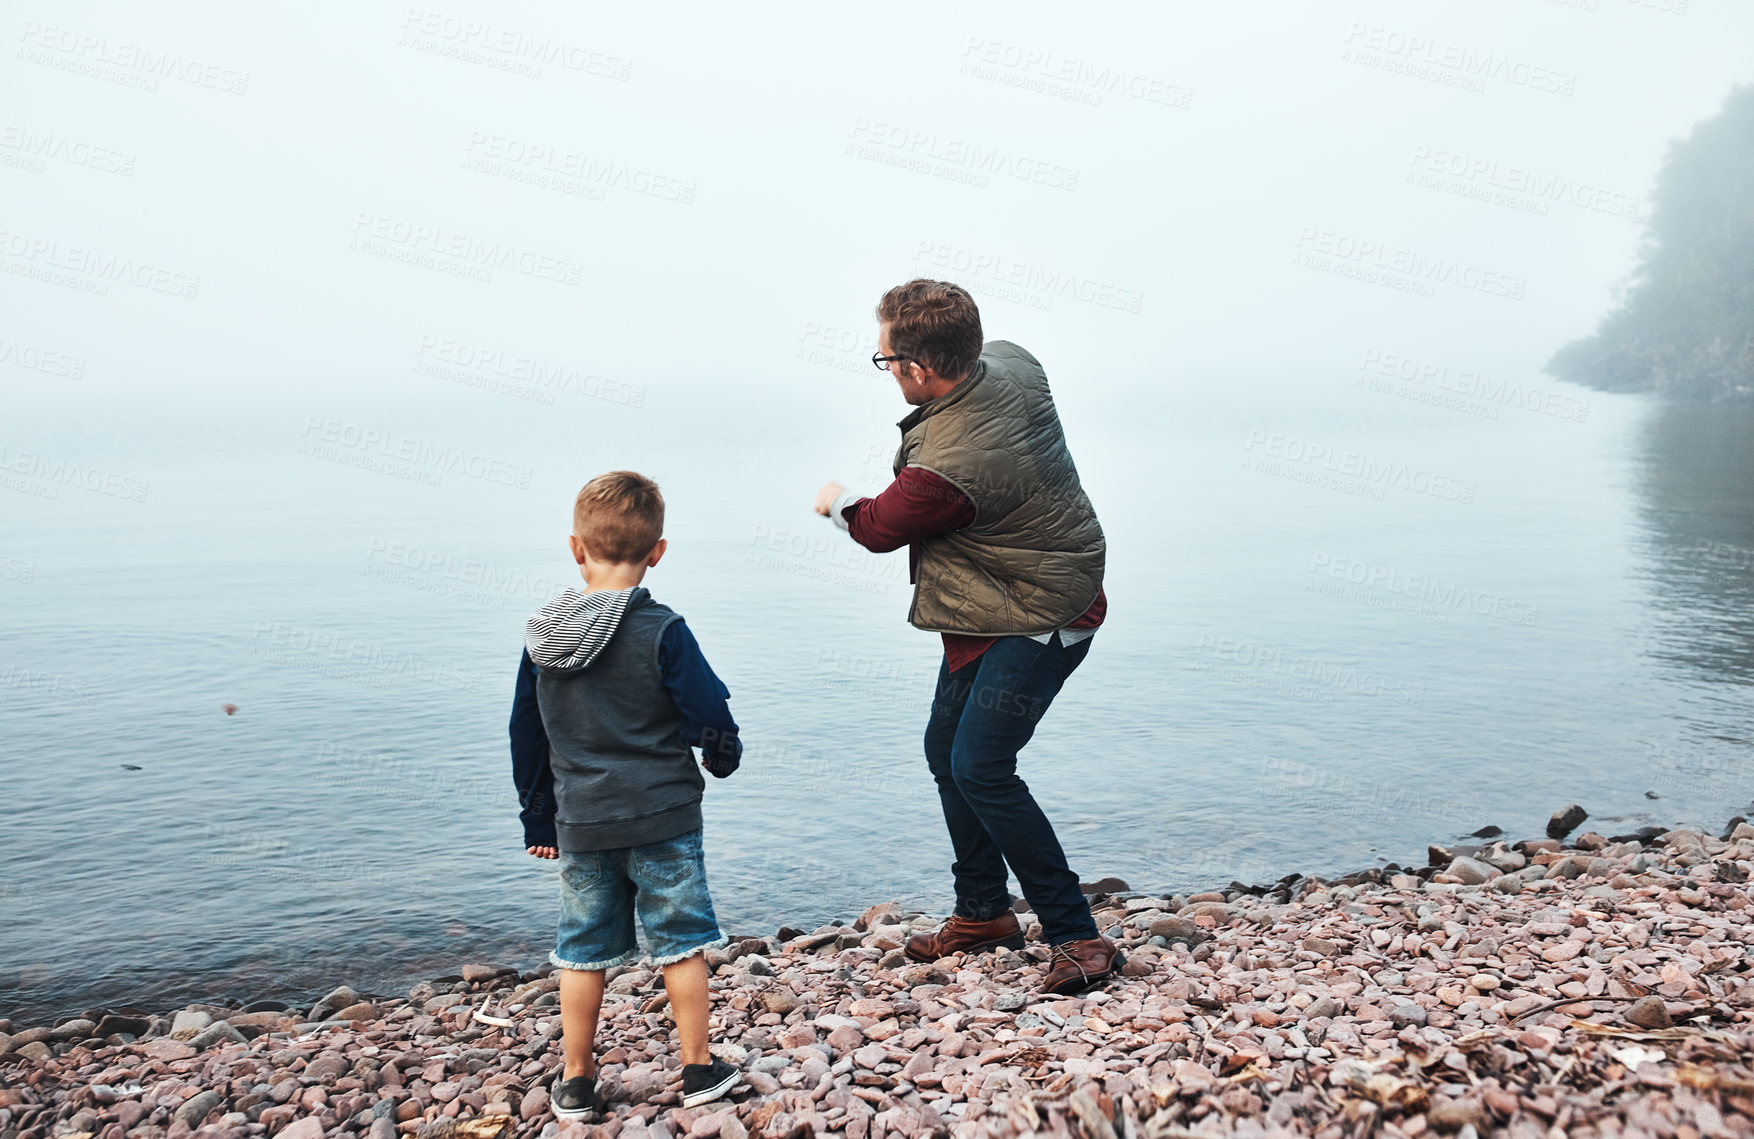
(882, 362)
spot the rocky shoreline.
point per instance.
(1531, 990)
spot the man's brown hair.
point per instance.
(934, 323)
(619, 516)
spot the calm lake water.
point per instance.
(1344, 623)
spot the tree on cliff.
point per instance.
(1684, 324)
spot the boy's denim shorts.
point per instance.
(664, 881)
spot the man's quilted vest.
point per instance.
(1032, 559)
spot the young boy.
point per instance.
(612, 693)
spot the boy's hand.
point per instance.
(719, 765)
(542, 851)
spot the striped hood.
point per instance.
(571, 629)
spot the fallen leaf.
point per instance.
(1634, 1054)
(1710, 1079)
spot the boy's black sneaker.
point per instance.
(574, 1098)
(703, 1083)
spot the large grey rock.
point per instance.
(1504, 858)
(339, 998)
(1648, 1012)
(326, 1066)
(311, 1127)
(1567, 868)
(188, 1022)
(218, 1032)
(77, 1029)
(1565, 820)
(1401, 1016)
(1173, 929)
(1471, 871)
(115, 1022)
(194, 1109)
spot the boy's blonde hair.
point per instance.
(619, 516)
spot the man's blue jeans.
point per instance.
(982, 715)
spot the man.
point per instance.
(1006, 558)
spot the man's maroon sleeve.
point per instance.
(918, 504)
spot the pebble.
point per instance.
(1648, 1012)
(215, 1033)
(1565, 820)
(76, 1029)
(476, 972)
(781, 1001)
(193, 1110)
(1403, 1016)
(307, 1127)
(1298, 1010)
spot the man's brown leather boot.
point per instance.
(960, 935)
(1079, 965)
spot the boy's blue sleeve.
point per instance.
(700, 696)
(530, 771)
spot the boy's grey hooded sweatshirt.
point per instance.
(623, 774)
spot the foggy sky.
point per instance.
(1134, 195)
